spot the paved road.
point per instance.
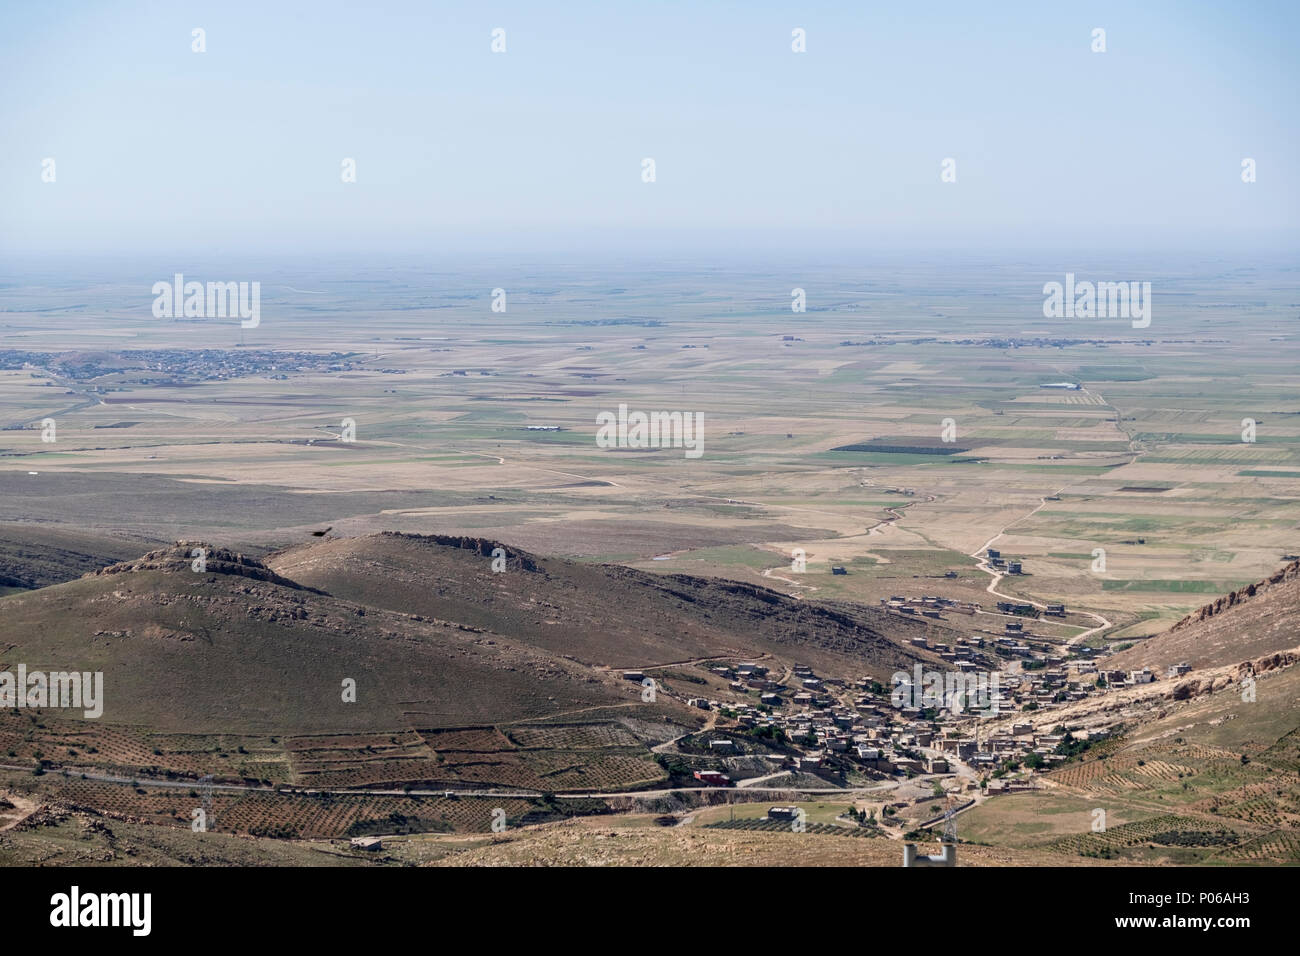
(501, 794)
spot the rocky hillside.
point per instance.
(1255, 621)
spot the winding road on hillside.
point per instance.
(1103, 623)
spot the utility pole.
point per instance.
(949, 819)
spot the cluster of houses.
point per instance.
(927, 605)
(999, 563)
(1062, 681)
(871, 734)
(831, 737)
(875, 736)
(967, 655)
(1021, 741)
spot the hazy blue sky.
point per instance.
(239, 148)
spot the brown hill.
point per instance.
(1256, 620)
(239, 649)
(604, 615)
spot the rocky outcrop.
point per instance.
(198, 557)
(1269, 662)
(515, 559)
(1241, 596)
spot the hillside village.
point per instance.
(847, 733)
